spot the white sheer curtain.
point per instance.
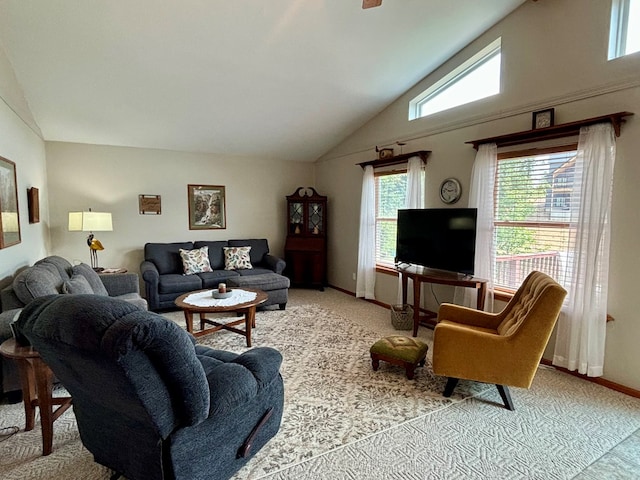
(481, 196)
(581, 329)
(414, 198)
(366, 279)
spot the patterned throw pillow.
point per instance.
(237, 258)
(195, 261)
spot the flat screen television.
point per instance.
(438, 238)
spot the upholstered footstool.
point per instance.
(274, 285)
(399, 350)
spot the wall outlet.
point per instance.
(353, 275)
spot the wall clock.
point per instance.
(450, 191)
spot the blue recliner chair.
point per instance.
(149, 402)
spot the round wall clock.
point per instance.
(450, 190)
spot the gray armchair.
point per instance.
(149, 402)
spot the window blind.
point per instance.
(391, 191)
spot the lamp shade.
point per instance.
(10, 222)
(90, 222)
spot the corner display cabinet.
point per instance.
(305, 250)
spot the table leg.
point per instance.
(404, 280)
(188, 317)
(250, 322)
(29, 397)
(416, 305)
(44, 387)
(482, 292)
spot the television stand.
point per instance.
(421, 275)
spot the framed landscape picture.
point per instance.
(207, 210)
(9, 217)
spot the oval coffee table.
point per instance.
(246, 309)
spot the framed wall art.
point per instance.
(9, 213)
(207, 210)
(149, 204)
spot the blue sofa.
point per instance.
(149, 402)
(162, 271)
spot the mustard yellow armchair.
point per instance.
(502, 348)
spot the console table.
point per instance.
(421, 275)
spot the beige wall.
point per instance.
(548, 61)
(111, 178)
(20, 142)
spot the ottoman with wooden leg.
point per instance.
(399, 350)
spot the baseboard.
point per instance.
(598, 380)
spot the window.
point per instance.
(533, 209)
(478, 77)
(624, 34)
(391, 188)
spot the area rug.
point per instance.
(332, 398)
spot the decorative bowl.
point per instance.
(216, 294)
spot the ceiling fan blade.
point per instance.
(371, 3)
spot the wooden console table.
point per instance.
(421, 275)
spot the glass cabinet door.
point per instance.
(296, 217)
(315, 218)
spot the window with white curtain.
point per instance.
(624, 34)
(391, 188)
(533, 209)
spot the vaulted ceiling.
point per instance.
(286, 79)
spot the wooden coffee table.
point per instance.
(246, 309)
(37, 385)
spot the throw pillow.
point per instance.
(237, 258)
(195, 261)
(92, 277)
(77, 284)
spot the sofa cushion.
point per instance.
(37, 281)
(259, 248)
(77, 284)
(178, 283)
(216, 254)
(92, 277)
(195, 261)
(212, 279)
(237, 258)
(166, 256)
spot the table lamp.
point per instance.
(91, 222)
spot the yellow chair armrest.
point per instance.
(468, 316)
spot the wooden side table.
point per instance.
(37, 386)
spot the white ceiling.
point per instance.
(285, 79)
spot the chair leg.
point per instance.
(506, 397)
(451, 385)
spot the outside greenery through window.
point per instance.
(390, 196)
(532, 217)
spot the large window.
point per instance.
(533, 209)
(624, 36)
(478, 77)
(391, 191)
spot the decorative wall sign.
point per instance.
(149, 205)
(207, 210)
(9, 213)
(33, 200)
(542, 119)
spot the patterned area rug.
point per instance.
(333, 398)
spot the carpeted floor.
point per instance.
(344, 421)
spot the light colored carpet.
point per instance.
(344, 421)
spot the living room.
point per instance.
(554, 55)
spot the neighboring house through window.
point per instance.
(533, 209)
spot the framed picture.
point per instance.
(207, 210)
(542, 119)
(9, 216)
(149, 204)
